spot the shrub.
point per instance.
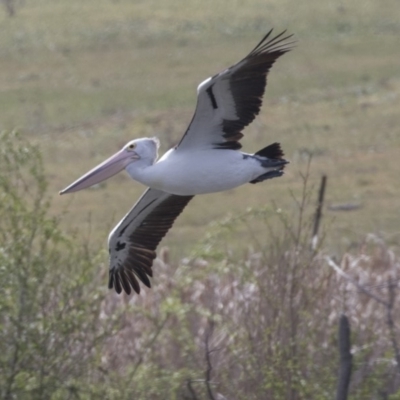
(50, 304)
(220, 324)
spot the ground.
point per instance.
(83, 78)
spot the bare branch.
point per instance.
(332, 264)
(208, 360)
(191, 390)
(388, 304)
(390, 321)
(148, 346)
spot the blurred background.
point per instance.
(82, 78)
(79, 79)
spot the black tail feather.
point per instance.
(268, 175)
(272, 160)
(273, 152)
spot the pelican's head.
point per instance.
(139, 150)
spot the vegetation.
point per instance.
(258, 325)
(251, 311)
(83, 78)
(50, 302)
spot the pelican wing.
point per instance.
(133, 242)
(230, 100)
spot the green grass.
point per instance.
(83, 78)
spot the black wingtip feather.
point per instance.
(264, 39)
(125, 281)
(117, 283)
(133, 281)
(247, 82)
(141, 274)
(273, 152)
(111, 278)
(273, 45)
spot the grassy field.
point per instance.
(82, 78)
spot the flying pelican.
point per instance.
(206, 160)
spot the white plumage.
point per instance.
(206, 160)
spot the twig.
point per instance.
(345, 359)
(388, 304)
(303, 201)
(147, 346)
(390, 322)
(332, 264)
(191, 390)
(208, 359)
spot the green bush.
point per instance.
(259, 325)
(50, 302)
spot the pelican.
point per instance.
(206, 160)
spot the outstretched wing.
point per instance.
(133, 242)
(230, 100)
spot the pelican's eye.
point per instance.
(131, 146)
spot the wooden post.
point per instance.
(345, 359)
(318, 212)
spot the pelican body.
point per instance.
(206, 160)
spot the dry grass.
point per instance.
(244, 322)
(81, 79)
(266, 321)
